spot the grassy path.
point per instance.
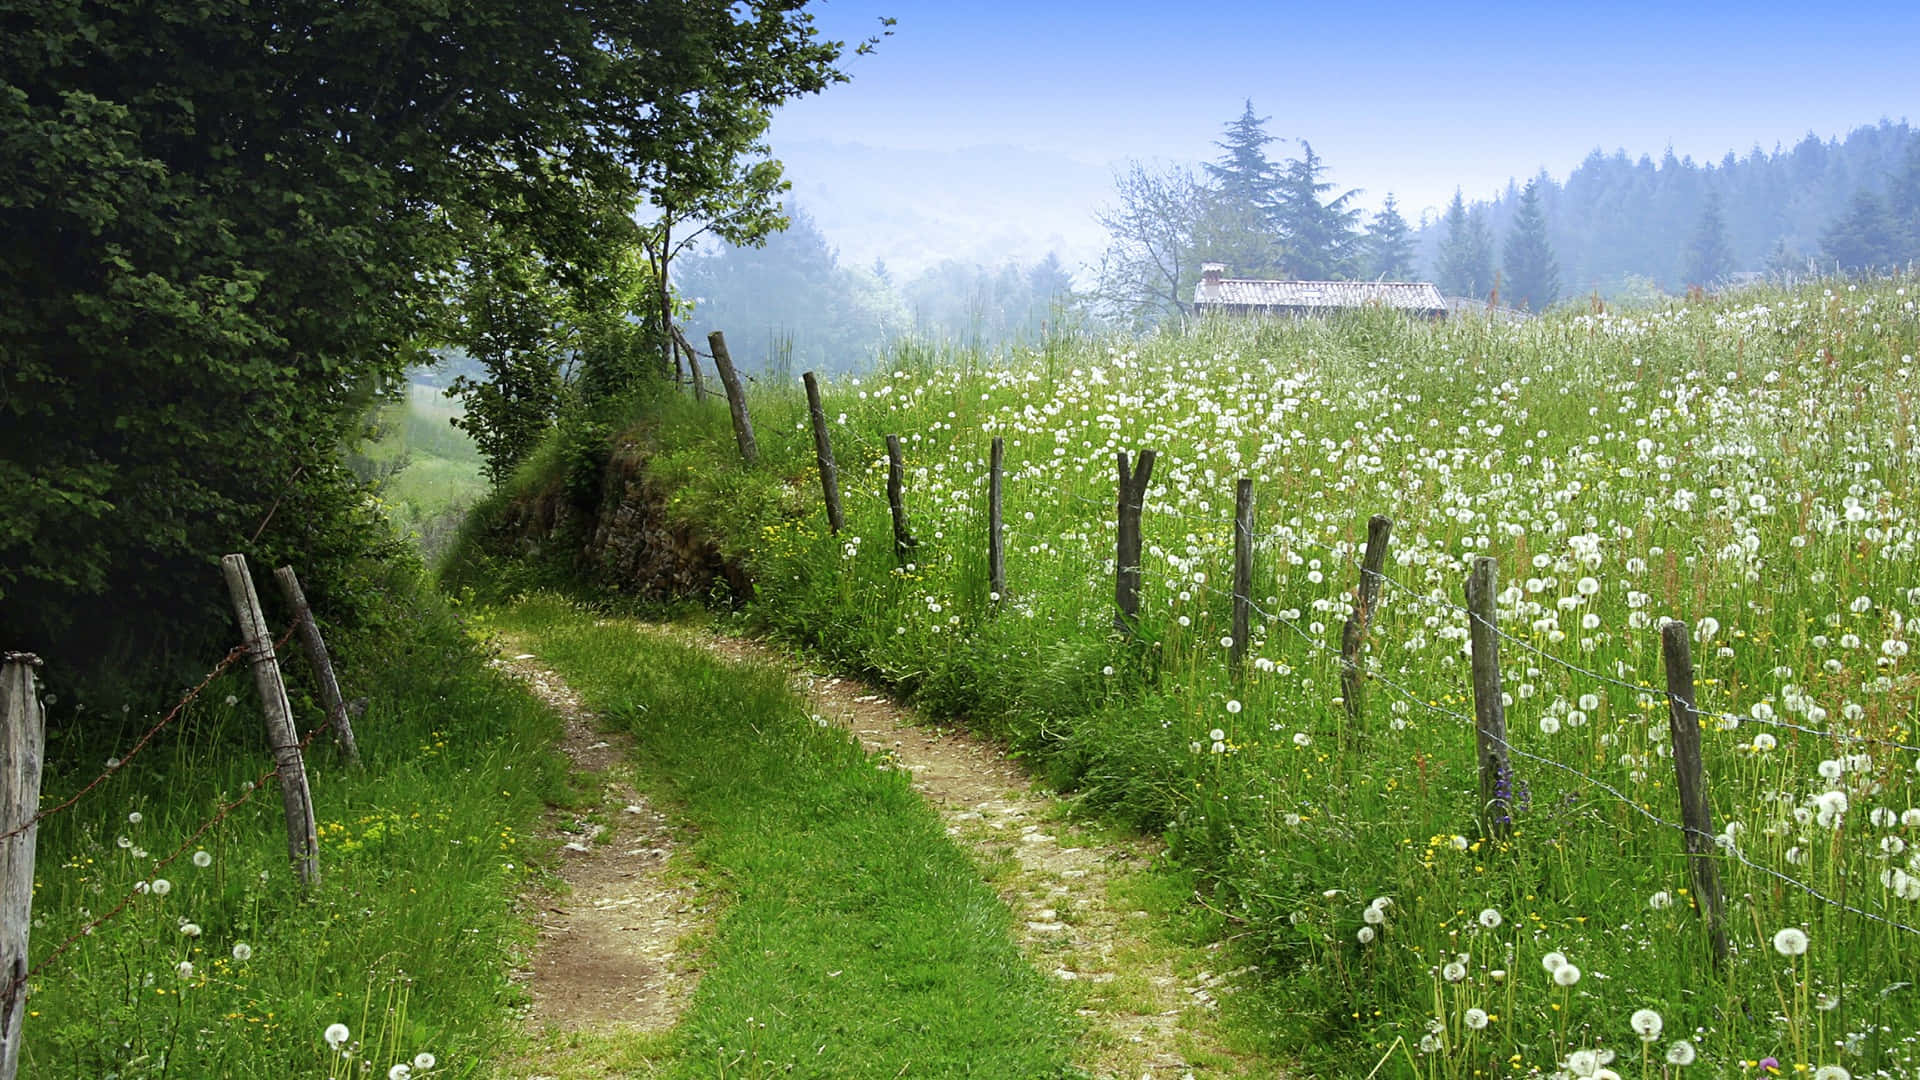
(854, 938)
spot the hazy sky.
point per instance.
(1412, 99)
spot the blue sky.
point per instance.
(1412, 99)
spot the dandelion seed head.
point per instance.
(1790, 941)
(336, 1035)
(1647, 1024)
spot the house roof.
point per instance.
(1405, 295)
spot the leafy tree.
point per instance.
(1317, 235)
(1864, 237)
(1389, 244)
(229, 224)
(1245, 189)
(1466, 252)
(1709, 255)
(1533, 277)
(1153, 259)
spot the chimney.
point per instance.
(1210, 272)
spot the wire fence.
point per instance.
(117, 764)
(1287, 537)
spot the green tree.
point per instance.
(229, 223)
(1709, 253)
(1317, 235)
(1533, 277)
(1156, 231)
(1389, 244)
(1903, 202)
(1466, 252)
(1863, 238)
(1245, 198)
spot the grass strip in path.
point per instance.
(859, 942)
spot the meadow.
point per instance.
(1746, 465)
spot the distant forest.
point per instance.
(789, 305)
(1627, 229)
(1618, 224)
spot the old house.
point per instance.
(1247, 296)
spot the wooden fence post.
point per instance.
(736, 399)
(903, 541)
(1353, 636)
(996, 541)
(693, 369)
(303, 842)
(1489, 711)
(1126, 562)
(22, 743)
(823, 455)
(1242, 576)
(1696, 819)
(315, 647)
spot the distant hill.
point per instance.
(1617, 218)
(918, 208)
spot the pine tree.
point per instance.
(1533, 277)
(1709, 254)
(1903, 199)
(1318, 237)
(1244, 199)
(1389, 244)
(1863, 237)
(1466, 252)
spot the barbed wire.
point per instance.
(118, 763)
(1730, 849)
(144, 887)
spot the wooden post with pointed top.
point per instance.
(996, 539)
(823, 455)
(1489, 708)
(315, 646)
(903, 541)
(736, 398)
(1242, 576)
(1353, 636)
(1696, 818)
(303, 841)
(1126, 562)
(22, 748)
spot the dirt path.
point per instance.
(611, 959)
(1148, 1005)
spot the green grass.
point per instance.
(408, 938)
(1748, 465)
(429, 472)
(856, 940)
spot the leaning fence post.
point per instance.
(1489, 710)
(1353, 636)
(823, 454)
(1126, 562)
(1696, 820)
(736, 399)
(903, 541)
(1242, 575)
(996, 541)
(315, 647)
(22, 743)
(303, 842)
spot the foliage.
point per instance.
(1533, 277)
(1153, 261)
(1709, 255)
(229, 970)
(1637, 450)
(228, 225)
(1466, 255)
(1387, 249)
(1616, 215)
(1864, 238)
(1246, 191)
(1316, 236)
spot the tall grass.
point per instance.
(227, 969)
(1747, 465)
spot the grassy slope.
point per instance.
(858, 941)
(1773, 491)
(409, 936)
